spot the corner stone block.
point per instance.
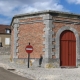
(16, 21)
(53, 46)
(17, 50)
(43, 35)
(44, 29)
(47, 16)
(53, 39)
(44, 50)
(44, 42)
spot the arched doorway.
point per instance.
(67, 49)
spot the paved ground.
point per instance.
(6, 75)
(52, 74)
(40, 73)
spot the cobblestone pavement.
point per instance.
(41, 73)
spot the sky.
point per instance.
(9, 8)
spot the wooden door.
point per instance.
(67, 49)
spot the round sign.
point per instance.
(29, 49)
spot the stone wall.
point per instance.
(4, 50)
(27, 30)
(61, 24)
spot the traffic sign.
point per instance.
(29, 49)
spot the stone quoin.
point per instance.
(53, 34)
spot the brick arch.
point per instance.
(58, 41)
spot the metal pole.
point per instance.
(28, 59)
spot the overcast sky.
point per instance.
(9, 8)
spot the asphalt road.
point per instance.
(7, 75)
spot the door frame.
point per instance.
(62, 51)
(58, 42)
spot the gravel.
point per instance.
(41, 73)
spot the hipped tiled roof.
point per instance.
(3, 28)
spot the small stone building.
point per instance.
(55, 35)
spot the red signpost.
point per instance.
(29, 49)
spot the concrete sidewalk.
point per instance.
(40, 73)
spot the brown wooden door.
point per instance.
(67, 48)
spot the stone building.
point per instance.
(54, 34)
